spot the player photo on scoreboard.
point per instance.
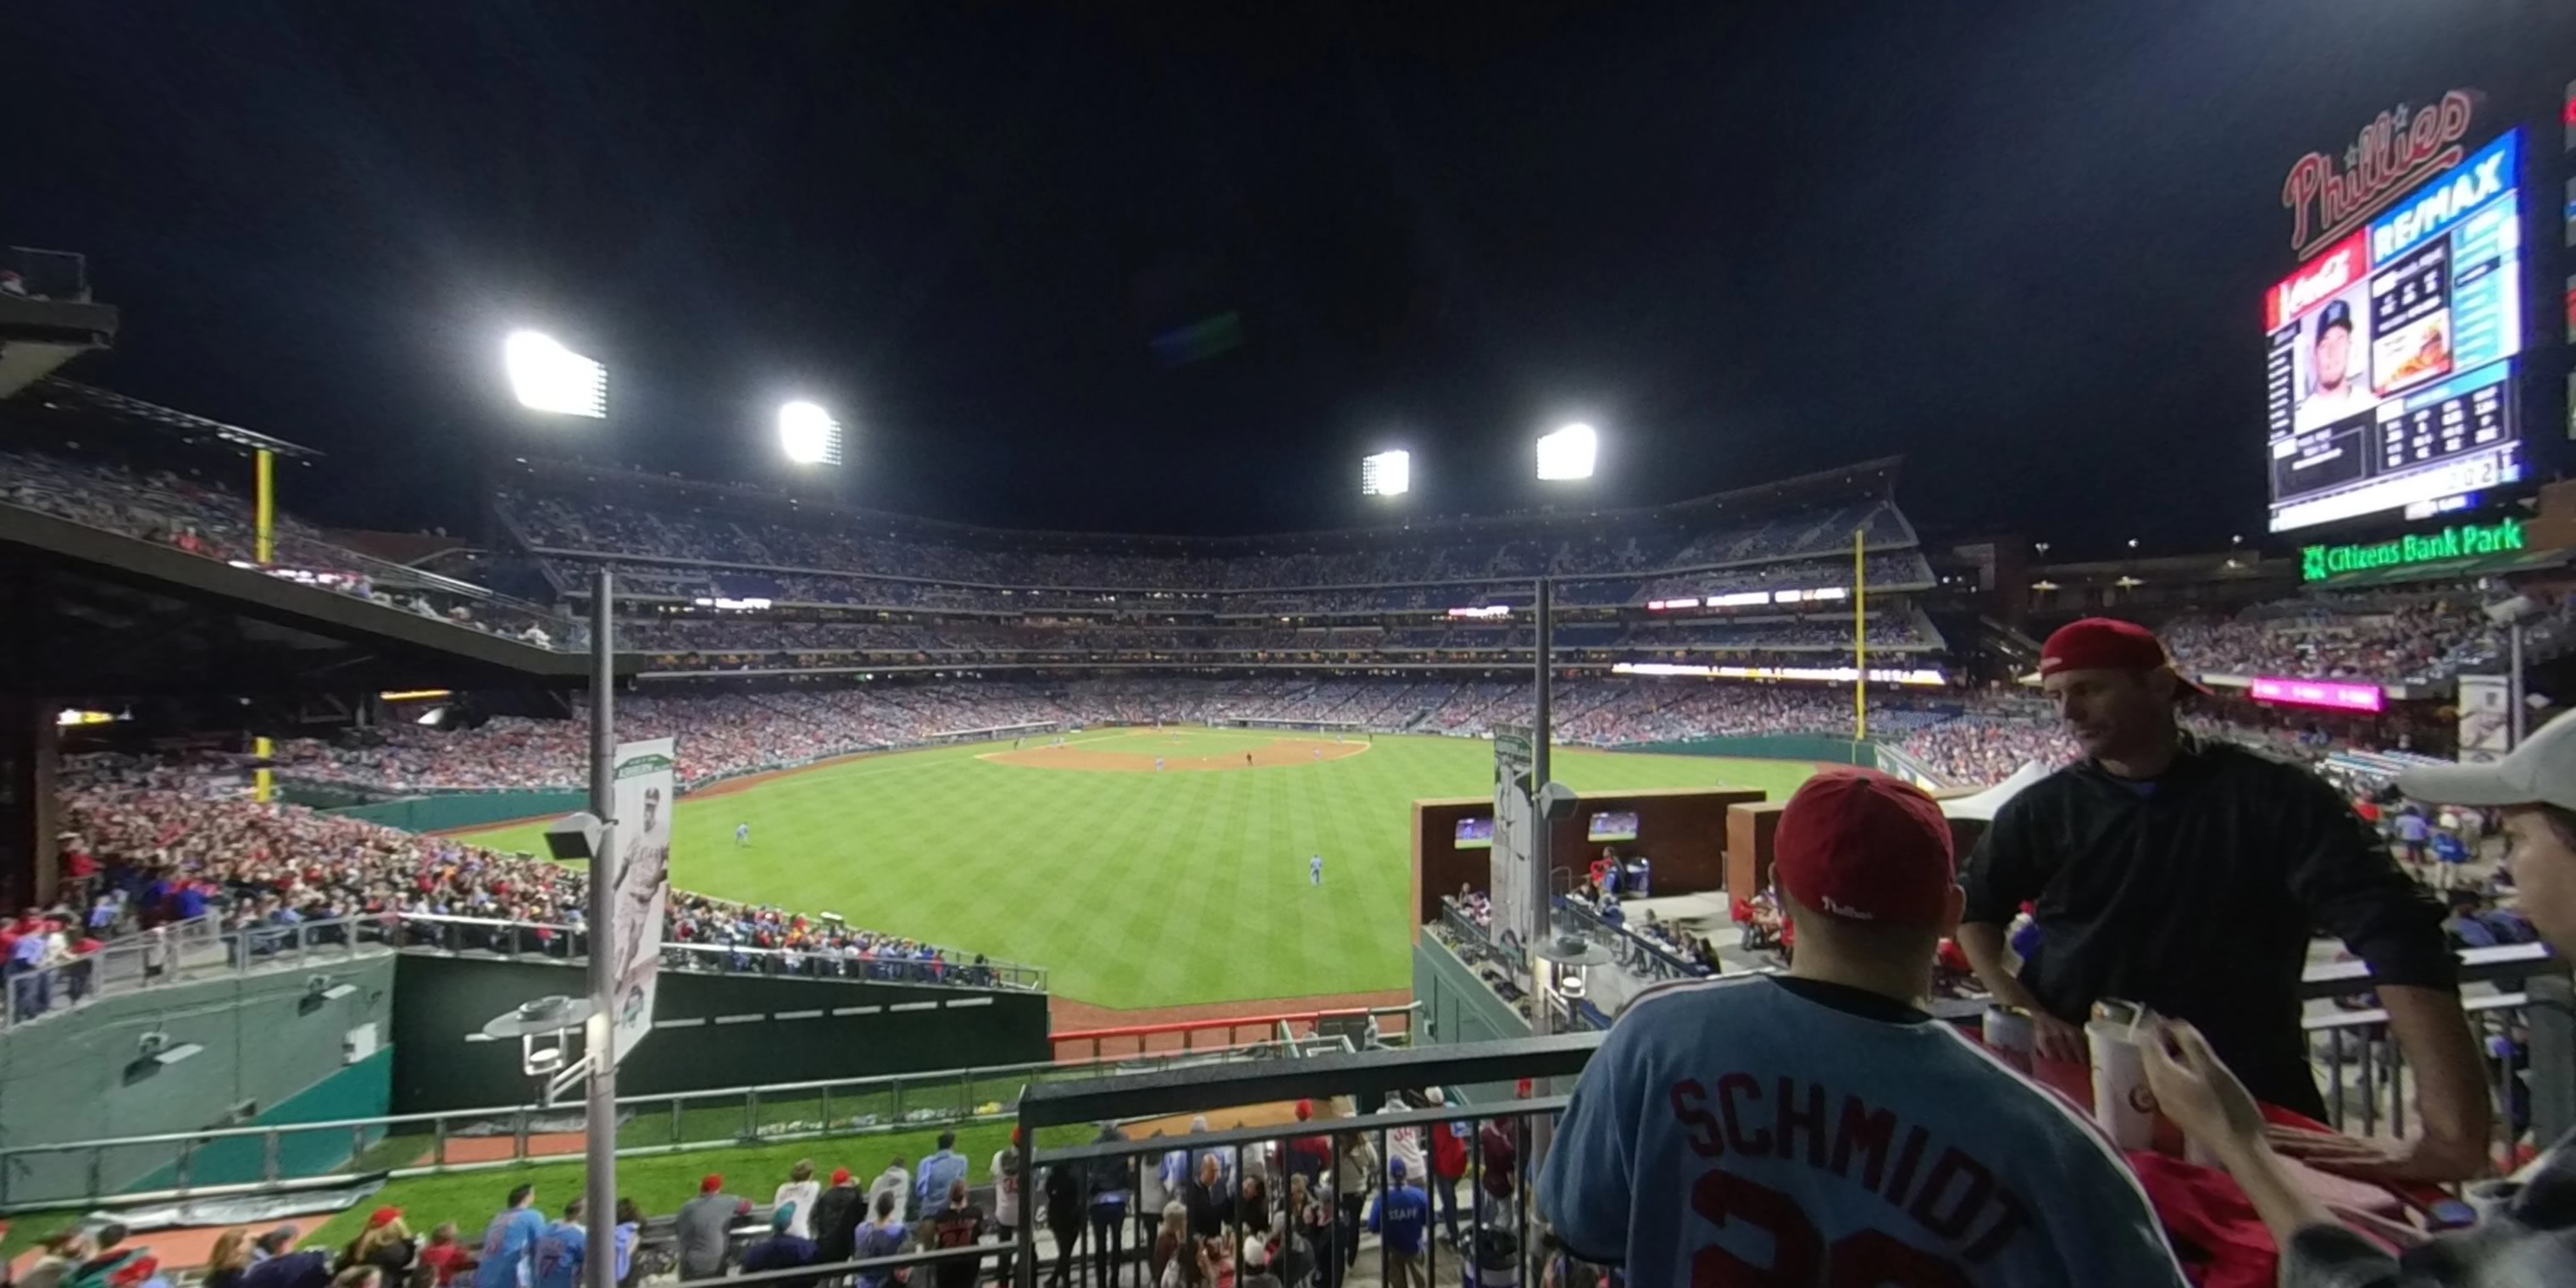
(2333, 358)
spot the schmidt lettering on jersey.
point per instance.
(1941, 1189)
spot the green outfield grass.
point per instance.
(1132, 889)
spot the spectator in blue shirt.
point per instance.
(560, 1250)
(930, 1184)
(885, 1236)
(630, 1223)
(1400, 1216)
(510, 1243)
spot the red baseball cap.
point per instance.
(710, 1183)
(383, 1216)
(1858, 844)
(840, 1176)
(2108, 644)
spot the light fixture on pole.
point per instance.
(1386, 473)
(808, 434)
(1568, 453)
(545, 376)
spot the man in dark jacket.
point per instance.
(1064, 1194)
(837, 1213)
(1206, 1200)
(1109, 1197)
(2184, 874)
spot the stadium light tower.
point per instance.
(1386, 474)
(1568, 453)
(808, 434)
(545, 376)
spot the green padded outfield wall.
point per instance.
(1837, 751)
(266, 1046)
(1460, 1008)
(778, 1030)
(463, 809)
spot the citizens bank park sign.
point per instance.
(2316, 563)
(2398, 149)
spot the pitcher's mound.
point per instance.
(1094, 759)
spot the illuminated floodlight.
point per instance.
(1567, 453)
(808, 434)
(549, 377)
(1386, 474)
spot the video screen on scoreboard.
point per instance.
(1612, 825)
(1475, 834)
(2389, 372)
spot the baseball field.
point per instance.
(1135, 886)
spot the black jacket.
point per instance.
(837, 1213)
(2196, 894)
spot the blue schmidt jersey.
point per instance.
(1812, 1133)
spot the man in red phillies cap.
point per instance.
(2185, 873)
(1725, 1122)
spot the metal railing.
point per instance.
(180, 951)
(402, 1145)
(1493, 1223)
(1111, 1043)
(566, 943)
(2517, 1000)
(195, 951)
(1633, 951)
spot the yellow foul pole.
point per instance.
(261, 787)
(1860, 637)
(264, 513)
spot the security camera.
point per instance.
(1557, 801)
(2506, 612)
(574, 836)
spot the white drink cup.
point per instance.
(2121, 1103)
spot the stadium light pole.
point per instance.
(547, 377)
(599, 1118)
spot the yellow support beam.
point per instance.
(1860, 635)
(264, 513)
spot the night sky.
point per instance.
(2022, 243)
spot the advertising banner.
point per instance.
(640, 890)
(2486, 719)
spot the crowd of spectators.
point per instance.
(214, 522)
(688, 642)
(2386, 638)
(793, 546)
(150, 842)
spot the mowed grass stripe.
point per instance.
(1133, 889)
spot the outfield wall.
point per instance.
(1458, 1007)
(711, 1030)
(269, 1050)
(1816, 747)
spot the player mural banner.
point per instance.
(640, 889)
(2486, 718)
(1515, 903)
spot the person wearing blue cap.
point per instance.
(1401, 1216)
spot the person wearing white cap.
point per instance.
(2532, 1238)
(1253, 1270)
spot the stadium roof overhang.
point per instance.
(92, 614)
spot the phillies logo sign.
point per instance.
(2398, 147)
